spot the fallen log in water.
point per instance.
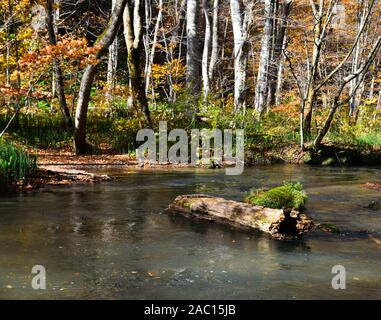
(279, 223)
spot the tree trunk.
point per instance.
(112, 64)
(280, 77)
(103, 42)
(309, 99)
(359, 76)
(279, 223)
(193, 51)
(207, 46)
(275, 68)
(357, 60)
(133, 33)
(214, 53)
(148, 79)
(241, 18)
(59, 80)
(263, 78)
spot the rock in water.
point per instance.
(279, 223)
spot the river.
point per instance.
(111, 241)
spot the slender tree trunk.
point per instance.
(193, 50)
(261, 90)
(180, 28)
(112, 64)
(214, 53)
(276, 63)
(58, 76)
(103, 42)
(133, 34)
(241, 17)
(279, 77)
(309, 99)
(148, 79)
(207, 46)
(357, 60)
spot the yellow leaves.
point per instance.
(175, 68)
(370, 101)
(20, 8)
(177, 87)
(127, 126)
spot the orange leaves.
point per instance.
(71, 50)
(11, 92)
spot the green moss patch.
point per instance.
(290, 195)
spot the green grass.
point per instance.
(15, 163)
(369, 140)
(290, 195)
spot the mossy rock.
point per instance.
(328, 162)
(290, 195)
(328, 228)
(307, 157)
(374, 205)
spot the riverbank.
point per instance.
(63, 167)
(52, 175)
(328, 155)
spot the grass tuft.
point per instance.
(15, 163)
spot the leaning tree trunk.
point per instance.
(279, 223)
(103, 42)
(59, 80)
(133, 33)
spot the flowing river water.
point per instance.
(111, 241)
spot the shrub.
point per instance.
(290, 195)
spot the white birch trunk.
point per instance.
(241, 17)
(193, 53)
(356, 90)
(261, 90)
(205, 55)
(112, 63)
(214, 53)
(152, 52)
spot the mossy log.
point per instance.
(279, 223)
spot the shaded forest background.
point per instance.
(91, 73)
